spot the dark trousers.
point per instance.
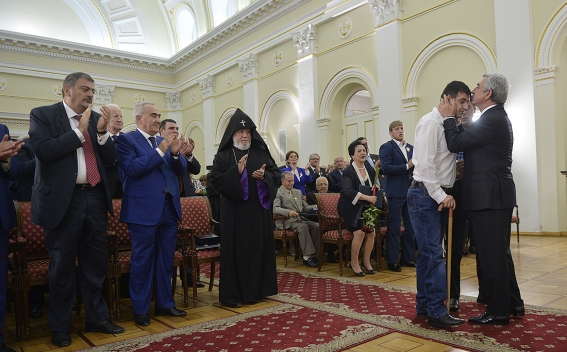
(398, 210)
(492, 230)
(4, 236)
(458, 241)
(153, 248)
(81, 237)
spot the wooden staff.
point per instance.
(449, 255)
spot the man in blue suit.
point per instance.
(151, 207)
(397, 167)
(8, 170)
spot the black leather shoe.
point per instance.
(446, 321)
(519, 311)
(142, 319)
(454, 304)
(4, 348)
(394, 267)
(60, 338)
(105, 327)
(408, 264)
(35, 313)
(310, 262)
(199, 284)
(232, 304)
(172, 312)
(486, 318)
(368, 271)
(360, 274)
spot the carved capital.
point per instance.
(304, 41)
(323, 122)
(103, 94)
(545, 75)
(173, 101)
(248, 66)
(385, 11)
(207, 85)
(410, 104)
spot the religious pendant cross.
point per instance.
(243, 123)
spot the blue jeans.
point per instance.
(428, 224)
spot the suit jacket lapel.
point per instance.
(63, 119)
(143, 141)
(396, 147)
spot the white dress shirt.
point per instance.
(434, 164)
(81, 164)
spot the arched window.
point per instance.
(359, 103)
(221, 10)
(186, 27)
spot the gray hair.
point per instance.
(72, 79)
(499, 86)
(139, 109)
(285, 173)
(321, 178)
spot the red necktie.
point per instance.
(93, 177)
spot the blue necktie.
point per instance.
(153, 141)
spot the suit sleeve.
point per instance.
(130, 163)
(478, 134)
(47, 148)
(387, 160)
(278, 206)
(179, 165)
(26, 160)
(194, 166)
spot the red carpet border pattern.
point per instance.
(284, 327)
(393, 307)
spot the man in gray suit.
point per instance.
(289, 203)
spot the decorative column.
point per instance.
(388, 29)
(410, 117)
(325, 141)
(249, 68)
(513, 19)
(173, 108)
(207, 85)
(103, 94)
(551, 147)
(304, 41)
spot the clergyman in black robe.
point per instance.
(246, 176)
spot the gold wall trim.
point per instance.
(426, 11)
(540, 42)
(105, 23)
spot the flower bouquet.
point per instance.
(370, 218)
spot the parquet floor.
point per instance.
(541, 269)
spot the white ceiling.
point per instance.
(139, 26)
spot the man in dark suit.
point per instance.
(151, 207)
(167, 127)
(336, 176)
(8, 170)
(316, 171)
(489, 194)
(397, 167)
(70, 200)
(115, 125)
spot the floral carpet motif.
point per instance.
(393, 307)
(286, 327)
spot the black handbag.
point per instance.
(207, 241)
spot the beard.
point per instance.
(242, 145)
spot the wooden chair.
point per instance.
(15, 281)
(516, 220)
(286, 235)
(197, 220)
(331, 227)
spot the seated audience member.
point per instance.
(301, 176)
(322, 185)
(336, 176)
(290, 203)
(316, 171)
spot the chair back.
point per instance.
(123, 240)
(329, 218)
(36, 247)
(197, 214)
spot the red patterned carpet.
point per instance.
(325, 313)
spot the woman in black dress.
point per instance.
(352, 201)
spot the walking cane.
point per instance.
(449, 255)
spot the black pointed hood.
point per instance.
(241, 121)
